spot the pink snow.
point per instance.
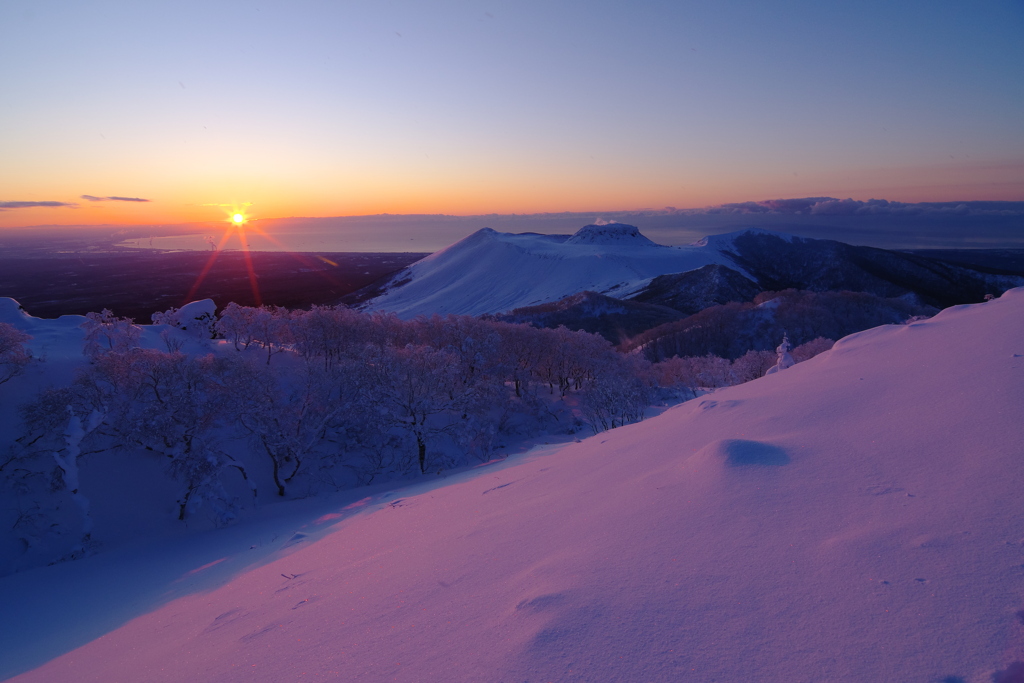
(857, 517)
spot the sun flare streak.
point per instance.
(239, 223)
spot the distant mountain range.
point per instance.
(494, 272)
(613, 271)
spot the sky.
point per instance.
(460, 107)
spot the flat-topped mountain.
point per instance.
(493, 272)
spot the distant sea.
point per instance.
(917, 227)
(384, 233)
(291, 242)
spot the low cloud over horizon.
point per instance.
(114, 199)
(830, 206)
(70, 205)
(31, 205)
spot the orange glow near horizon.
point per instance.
(509, 191)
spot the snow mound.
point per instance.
(197, 311)
(11, 311)
(609, 233)
(855, 518)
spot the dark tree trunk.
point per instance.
(421, 446)
(277, 476)
(183, 503)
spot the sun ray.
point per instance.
(248, 267)
(206, 269)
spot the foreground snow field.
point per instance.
(856, 517)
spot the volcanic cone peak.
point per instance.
(610, 233)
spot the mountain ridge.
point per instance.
(495, 273)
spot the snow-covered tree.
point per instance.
(290, 411)
(520, 351)
(67, 461)
(13, 354)
(105, 332)
(267, 326)
(414, 389)
(174, 406)
(784, 359)
(46, 464)
(329, 333)
(236, 324)
(618, 395)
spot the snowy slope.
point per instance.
(493, 272)
(854, 518)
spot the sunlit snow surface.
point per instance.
(856, 517)
(493, 272)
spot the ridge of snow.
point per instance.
(853, 518)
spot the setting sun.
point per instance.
(238, 219)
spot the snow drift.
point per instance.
(856, 517)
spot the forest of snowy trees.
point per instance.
(313, 400)
(733, 329)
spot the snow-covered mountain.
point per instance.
(856, 517)
(493, 272)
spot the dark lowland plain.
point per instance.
(137, 283)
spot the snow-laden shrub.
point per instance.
(691, 373)
(752, 364)
(694, 372)
(811, 349)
